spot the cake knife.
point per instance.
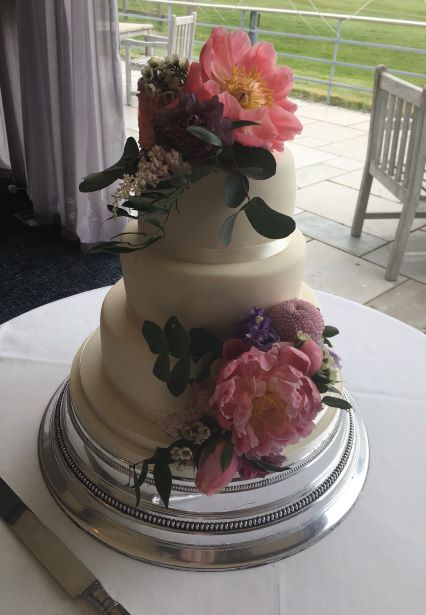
(75, 578)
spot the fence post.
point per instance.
(254, 26)
(242, 19)
(333, 61)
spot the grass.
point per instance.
(405, 36)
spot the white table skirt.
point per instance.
(373, 563)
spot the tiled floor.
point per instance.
(329, 157)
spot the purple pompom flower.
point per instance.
(256, 330)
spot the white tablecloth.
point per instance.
(373, 563)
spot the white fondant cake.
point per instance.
(189, 274)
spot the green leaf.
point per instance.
(266, 221)
(255, 162)
(100, 180)
(227, 454)
(202, 369)
(154, 337)
(163, 480)
(202, 342)
(236, 189)
(161, 367)
(154, 222)
(119, 211)
(199, 171)
(178, 338)
(336, 402)
(330, 331)
(227, 228)
(242, 123)
(127, 164)
(205, 135)
(115, 247)
(179, 376)
(327, 341)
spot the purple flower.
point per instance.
(336, 359)
(171, 123)
(256, 329)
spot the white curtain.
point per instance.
(65, 109)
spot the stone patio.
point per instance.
(329, 157)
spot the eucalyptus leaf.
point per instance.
(255, 162)
(178, 338)
(227, 228)
(161, 369)
(127, 164)
(266, 221)
(199, 171)
(115, 247)
(179, 376)
(202, 342)
(205, 135)
(336, 402)
(100, 180)
(330, 331)
(139, 480)
(163, 480)
(236, 189)
(154, 222)
(333, 389)
(227, 453)
(154, 337)
(202, 369)
(119, 212)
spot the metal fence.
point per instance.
(250, 20)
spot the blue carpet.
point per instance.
(38, 266)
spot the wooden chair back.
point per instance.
(182, 35)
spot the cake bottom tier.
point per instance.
(131, 427)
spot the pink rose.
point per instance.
(266, 399)
(250, 86)
(315, 355)
(210, 477)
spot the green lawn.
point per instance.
(406, 36)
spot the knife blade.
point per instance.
(50, 551)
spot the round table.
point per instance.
(373, 563)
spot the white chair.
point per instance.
(180, 41)
(396, 157)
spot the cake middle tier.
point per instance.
(213, 296)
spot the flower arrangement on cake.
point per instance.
(227, 111)
(258, 389)
(250, 395)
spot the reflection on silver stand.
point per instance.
(251, 523)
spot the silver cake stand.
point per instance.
(251, 523)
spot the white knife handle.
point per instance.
(99, 598)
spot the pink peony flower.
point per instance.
(266, 399)
(210, 478)
(250, 86)
(315, 354)
(293, 315)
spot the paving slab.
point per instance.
(307, 156)
(407, 302)
(335, 115)
(306, 176)
(335, 271)
(414, 263)
(309, 141)
(349, 164)
(337, 202)
(353, 180)
(364, 125)
(336, 234)
(331, 133)
(350, 148)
